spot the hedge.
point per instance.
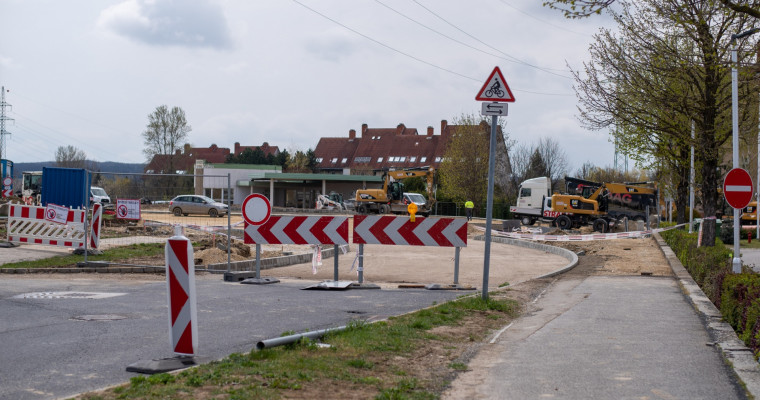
(736, 295)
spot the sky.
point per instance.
(87, 73)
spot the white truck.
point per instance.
(534, 201)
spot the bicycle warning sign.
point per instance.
(495, 88)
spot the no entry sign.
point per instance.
(737, 187)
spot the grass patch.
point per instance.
(380, 360)
(122, 253)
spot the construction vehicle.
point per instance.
(602, 204)
(531, 197)
(31, 187)
(749, 214)
(332, 201)
(392, 198)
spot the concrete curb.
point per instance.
(569, 255)
(247, 265)
(731, 347)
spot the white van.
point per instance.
(98, 195)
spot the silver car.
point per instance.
(195, 204)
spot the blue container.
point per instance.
(6, 168)
(68, 187)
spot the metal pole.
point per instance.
(647, 217)
(335, 255)
(361, 263)
(489, 205)
(691, 182)
(456, 265)
(258, 261)
(757, 186)
(86, 209)
(229, 224)
(736, 262)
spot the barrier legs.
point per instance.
(258, 280)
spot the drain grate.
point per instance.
(67, 295)
(100, 317)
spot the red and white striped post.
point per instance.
(97, 216)
(180, 282)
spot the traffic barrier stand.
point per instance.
(183, 318)
(315, 231)
(27, 224)
(95, 224)
(392, 230)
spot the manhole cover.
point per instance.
(67, 295)
(99, 317)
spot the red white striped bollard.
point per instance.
(97, 216)
(180, 282)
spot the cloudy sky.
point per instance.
(88, 72)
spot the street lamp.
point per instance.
(736, 263)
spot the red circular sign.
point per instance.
(256, 209)
(737, 187)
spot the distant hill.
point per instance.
(105, 166)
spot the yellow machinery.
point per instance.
(603, 204)
(392, 198)
(749, 214)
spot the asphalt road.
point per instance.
(54, 346)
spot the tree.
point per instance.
(301, 161)
(166, 132)
(546, 158)
(664, 70)
(586, 8)
(70, 157)
(463, 171)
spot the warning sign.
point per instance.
(128, 208)
(495, 88)
(56, 213)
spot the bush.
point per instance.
(736, 295)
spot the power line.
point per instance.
(541, 20)
(486, 44)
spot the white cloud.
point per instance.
(189, 23)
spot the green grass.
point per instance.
(356, 358)
(123, 253)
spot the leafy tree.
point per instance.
(463, 171)
(166, 132)
(663, 71)
(70, 157)
(301, 161)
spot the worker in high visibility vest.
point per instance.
(468, 206)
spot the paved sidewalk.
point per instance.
(613, 337)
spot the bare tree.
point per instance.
(545, 158)
(165, 134)
(70, 157)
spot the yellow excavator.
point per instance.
(392, 198)
(602, 204)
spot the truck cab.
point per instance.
(530, 200)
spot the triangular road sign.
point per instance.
(495, 88)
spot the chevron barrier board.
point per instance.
(298, 230)
(180, 285)
(391, 230)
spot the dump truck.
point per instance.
(602, 204)
(392, 198)
(531, 197)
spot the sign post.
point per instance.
(494, 90)
(256, 211)
(737, 188)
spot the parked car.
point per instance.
(195, 204)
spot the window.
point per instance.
(362, 159)
(423, 159)
(413, 158)
(438, 159)
(319, 159)
(402, 159)
(525, 192)
(334, 160)
(343, 161)
(379, 159)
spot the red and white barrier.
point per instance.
(97, 216)
(180, 283)
(585, 238)
(390, 230)
(298, 230)
(27, 224)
